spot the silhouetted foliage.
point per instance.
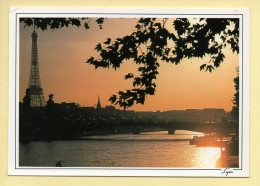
(152, 43)
(235, 109)
(57, 23)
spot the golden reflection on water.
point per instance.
(151, 149)
(208, 156)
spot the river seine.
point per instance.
(149, 149)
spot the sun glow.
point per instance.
(208, 157)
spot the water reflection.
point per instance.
(208, 157)
(151, 149)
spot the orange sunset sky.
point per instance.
(62, 55)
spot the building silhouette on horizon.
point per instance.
(99, 103)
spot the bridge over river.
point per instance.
(219, 128)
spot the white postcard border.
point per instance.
(13, 150)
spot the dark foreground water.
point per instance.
(150, 149)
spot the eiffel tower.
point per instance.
(36, 93)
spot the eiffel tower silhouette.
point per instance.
(34, 85)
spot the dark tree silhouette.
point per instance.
(153, 42)
(57, 23)
(235, 109)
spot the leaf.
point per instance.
(75, 22)
(113, 98)
(202, 67)
(98, 47)
(129, 75)
(100, 21)
(86, 26)
(108, 41)
(210, 68)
